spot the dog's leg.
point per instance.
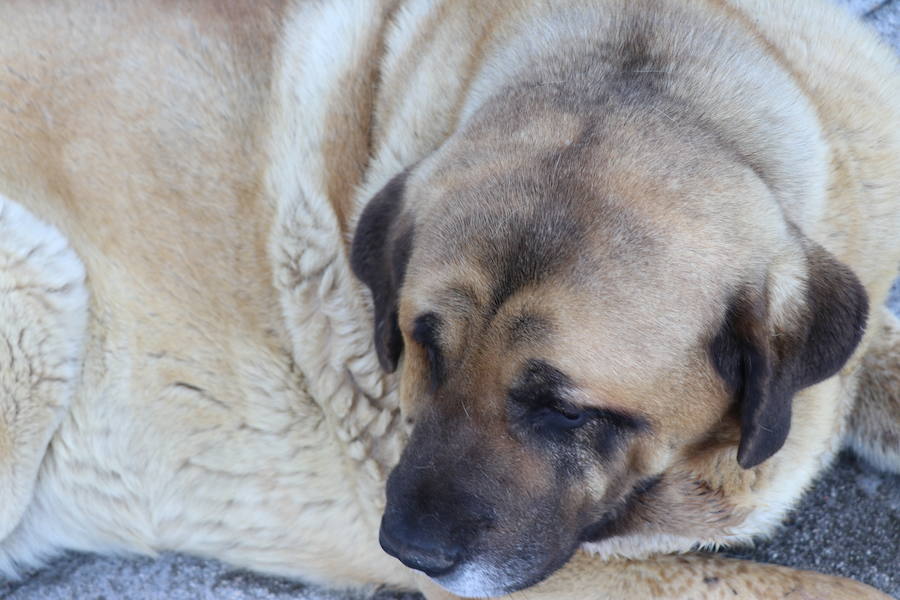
(690, 576)
(873, 429)
(43, 320)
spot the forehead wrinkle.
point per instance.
(533, 248)
(525, 327)
(459, 299)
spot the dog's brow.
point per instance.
(527, 327)
(538, 372)
(459, 299)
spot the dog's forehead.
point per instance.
(604, 254)
(586, 198)
(545, 235)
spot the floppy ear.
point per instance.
(765, 365)
(381, 247)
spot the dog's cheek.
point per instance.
(413, 389)
(553, 491)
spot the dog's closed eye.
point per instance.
(539, 400)
(539, 403)
(561, 416)
(426, 332)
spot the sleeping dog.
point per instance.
(449, 295)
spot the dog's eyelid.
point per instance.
(574, 399)
(426, 332)
(540, 396)
(584, 400)
(567, 407)
(620, 420)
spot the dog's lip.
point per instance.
(433, 573)
(498, 587)
(402, 553)
(605, 526)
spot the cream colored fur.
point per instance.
(871, 430)
(43, 320)
(205, 167)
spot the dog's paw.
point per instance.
(691, 576)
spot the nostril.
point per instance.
(433, 559)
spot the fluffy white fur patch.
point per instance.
(43, 319)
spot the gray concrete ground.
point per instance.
(847, 524)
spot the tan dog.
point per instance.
(627, 258)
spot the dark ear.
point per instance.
(765, 365)
(381, 246)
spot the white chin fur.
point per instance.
(474, 580)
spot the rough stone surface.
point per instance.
(848, 524)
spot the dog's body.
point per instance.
(187, 361)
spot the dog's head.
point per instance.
(574, 300)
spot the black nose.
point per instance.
(417, 550)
